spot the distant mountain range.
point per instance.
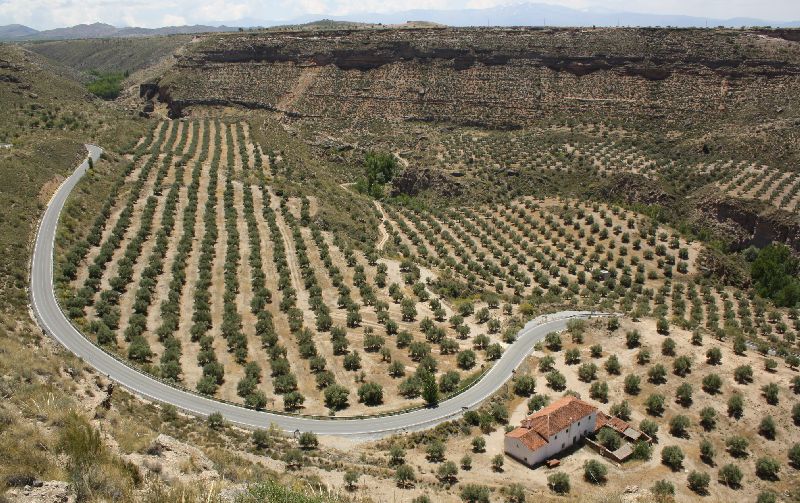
(18, 32)
(534, 14)
(525, 14)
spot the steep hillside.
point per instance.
(110, 54)
(640, 116)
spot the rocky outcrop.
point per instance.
(172, 459)
(413, 181)
(54, 491)
(752, 223)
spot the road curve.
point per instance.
(55, 323)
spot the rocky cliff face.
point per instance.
(752, 223)
(485, 77)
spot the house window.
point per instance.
(562, 446)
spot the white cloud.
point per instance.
(172, 20)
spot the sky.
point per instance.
(46, 14)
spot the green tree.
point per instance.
(737, 446)
(774, 274)
(370, 393)
(474, 493)
(351, 479)
(215, 421)
(308, 440)
(698, 481)
(435, 451)
(430, 391)
(663, 488)
(594, 472)
(447, 472)
(404, 475)
(730, 475)
(767, 468)
(336, 397)
(379, 169)
(672, 456)
(558, 483)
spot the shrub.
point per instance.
(558, 482)
(404, 475)
(474, 493)
(435, 451)
(612, 365)
(632, 384)
(649, 427)
(735, 406)
(678, 425)
(767, 468)
(308, 440)
(672, 456)
(730, 475)
(515, 493)
(595, 472)
(609, 439)
(447, 472)
(707, 451)
(655, 404)
(770, 392)
(698, 481)
(708, 418)
(215, 421)
(351, 479)
(682, 365)
(737, 446)
(497, 463)
(336, 397)
(794, 455)
(599, 391)
(743, 374)
(684, 394)
(657, 374)
(774, 275)
(714, 356)
(767, 428)
(556, 380)
(262, 439)
(663, 488)
(370, 393)
(478, 444)
(538, 401)
(766, 497)
(712, 384)
(524, 385)
(621, 410)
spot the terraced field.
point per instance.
(201, 273)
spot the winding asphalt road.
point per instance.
(56, 324)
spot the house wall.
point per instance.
(564, 439)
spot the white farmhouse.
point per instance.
(550, 430)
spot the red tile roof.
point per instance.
(530, 438)
(537, 428)
(610, 421)
(558, 415)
